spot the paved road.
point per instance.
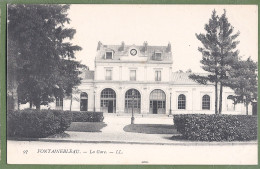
(115, 124)
(114, 131)
(36, 152)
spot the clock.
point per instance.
(133, 52)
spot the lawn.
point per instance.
(86, 126)
(151, 128)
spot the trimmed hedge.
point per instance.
(33, 123)
(79, 116)
(204, 127)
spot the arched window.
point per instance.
(129, 100)
(206, 102)
(83, 95)
(157, 102)
(181, 101)
(83, 101)
(108, 100)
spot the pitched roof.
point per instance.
(145, 51)
(183, 78)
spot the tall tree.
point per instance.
(244, 81)
(218, 54)
(39, 52)
(228, 53)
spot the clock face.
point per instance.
(133, 52)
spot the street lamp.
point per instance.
(170, 103)
(133, 96)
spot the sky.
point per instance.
(158, 25)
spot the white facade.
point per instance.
(145, 69)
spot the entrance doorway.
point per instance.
(132, 101)
(108, 101)
(83, 101)
(155, 108)
(157, 102)
(110, 106)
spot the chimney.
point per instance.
(122, 47)
(169, 47)
(145, 46)
(99, 45)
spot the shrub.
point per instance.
(216, 127)
(37, 123)
(79, 116)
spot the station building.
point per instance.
(140, 78)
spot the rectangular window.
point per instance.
(59, 103)
(109, 74)
(133, 75)
(157, 75)
(109, 55)
(157, 56)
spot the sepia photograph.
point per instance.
(132, 84)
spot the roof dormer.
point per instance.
(109, 54)
(157, 55)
